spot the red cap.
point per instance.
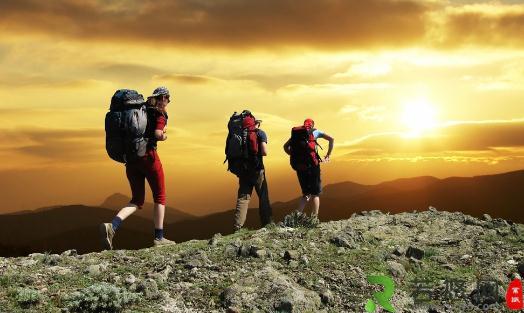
(309, 123)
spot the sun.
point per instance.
(419, 116)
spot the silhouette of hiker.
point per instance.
(145, 167)
(246, 146)
(304, 158)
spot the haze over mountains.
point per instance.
(59, 228)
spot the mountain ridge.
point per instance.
(54, 229)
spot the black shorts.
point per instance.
(309, 180)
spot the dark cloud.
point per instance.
(326, 24)
(59, 145)
(463, 137)
(483, 28)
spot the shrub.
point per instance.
(100, 297)
(26, 296)
(299, 219)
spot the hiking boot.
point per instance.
(106, 235)
(163, 242)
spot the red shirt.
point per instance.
(157, 121)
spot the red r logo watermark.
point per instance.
(514, 295)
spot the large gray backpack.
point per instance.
(125, 126)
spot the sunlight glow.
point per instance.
(419, 116)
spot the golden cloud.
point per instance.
(71, 145)
(471, 138)
(186, 79)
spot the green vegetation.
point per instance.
(100, 297)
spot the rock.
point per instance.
(284, 305)
(232, 309)
(326, 297)
(465, 257)
(291, 255)
(71, 252)
(399, 251)
(194, 263)
(304, 260)
(269, 290)
(28, 262)
(116, 279)
(244, 251)
(433, 309)
(516, 230)
(486, 292)
(415, 253)
(396, 269)
(448, 266)
(231, 250)
(60, 270)
(51, 259)
(433, 209)
(520, 268)
(259, 253)
(343, 241)
(215, 239)
(130, 279)
(470, 220)
(148, 288)
(439, 259)
(36, 255)
(486, 217)
(94, 270)
(497, 223)
(503, 231)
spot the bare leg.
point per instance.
(159, 210)
(302, 203)
(316, 205)
(128, 210)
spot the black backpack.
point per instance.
(125, 126)
(303, 148)
(241, 143)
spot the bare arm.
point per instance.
(263, 148)
(160, 134)
(287, 147)
(331, 144)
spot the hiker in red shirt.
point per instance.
(146, 167)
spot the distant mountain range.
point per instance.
(172, 215)
(59, 228)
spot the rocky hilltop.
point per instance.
(438, 261)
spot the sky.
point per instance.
(406, 88)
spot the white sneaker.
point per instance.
(163, 242)
(106, 235)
